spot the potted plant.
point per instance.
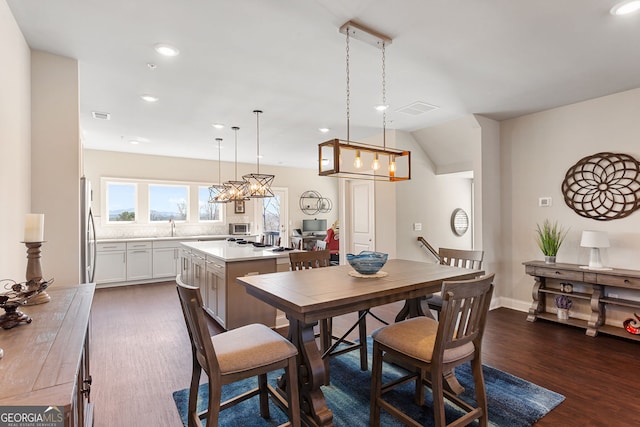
(564, 304)
(549, 237)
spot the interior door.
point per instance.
(361, 221)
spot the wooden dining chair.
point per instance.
(321, 245)
(431, 348)
(296, 242)
(252, 350)
(455, 258)
(329, 342)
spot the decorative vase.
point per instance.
(563, 314)
(549, 259)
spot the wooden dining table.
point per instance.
(307, 296)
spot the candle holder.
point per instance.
(17, 294)
(34, 274)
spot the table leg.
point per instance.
(413, 308)
(311, 375)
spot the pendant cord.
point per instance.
(235, 129)
(257, 139)
(384, 98)
(219, 140)
(348, 91)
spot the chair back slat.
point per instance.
(309, 259)
(464, 313)
(461, 258)
(193, 311)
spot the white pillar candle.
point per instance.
(34, 228)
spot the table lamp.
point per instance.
(594, 240)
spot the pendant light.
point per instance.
(218, 192)
(346, 158)
(259, 184)
(236, 190)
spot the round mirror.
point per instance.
(459, 222)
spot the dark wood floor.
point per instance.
(140, 354)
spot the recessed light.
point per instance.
(101, 115)
(166, 49)
(134, 142)
(218, 125)
(151, 65)
(149, 98)
(138, 140)
(381, 107)
(324, 130)
(625, 7)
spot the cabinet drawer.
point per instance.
(138, 245)
(117, 246)
(559, 274)
(619, 281)
(165, 244)
(216, 267)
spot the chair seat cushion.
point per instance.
(416, 337)
(250, 347)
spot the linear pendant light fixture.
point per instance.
(351, 159)
(236, 190)
(259, 184)
(218, 192)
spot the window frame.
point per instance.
(184, 186)
(136, 210)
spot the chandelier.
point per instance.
(259, 184)
(218, 192)
(349, 159)
(236, 190)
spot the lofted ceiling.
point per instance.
(497, 58)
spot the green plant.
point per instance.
(549, 237)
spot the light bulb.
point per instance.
(376, 164)
(358, 161)
(392, 165)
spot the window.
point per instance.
(121, 202)
(208, 211)
(168, 202)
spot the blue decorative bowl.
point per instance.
(367, 262)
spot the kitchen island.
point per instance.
(214, 266)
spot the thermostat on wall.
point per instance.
(544, 202)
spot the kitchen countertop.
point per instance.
(174, 238)
(233, 252)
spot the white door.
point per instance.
(271, 216)
(361, 212)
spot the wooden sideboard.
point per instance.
(46, 362)
(597, 289)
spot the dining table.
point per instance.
(308, 296)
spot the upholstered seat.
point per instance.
(252, 350)
(431, 349)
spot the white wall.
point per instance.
(55, 163)
(15, 146)
(537, 150)
(98, 164)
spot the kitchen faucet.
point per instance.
(173, 227)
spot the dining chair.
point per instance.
(431, 348)
(455, 258)
(252, 350)
(321, 245)
(296, 242)
(329, 342)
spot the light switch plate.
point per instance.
(417, 226)
(544, 202)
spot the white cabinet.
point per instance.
(111, 263)
(165, 259)
(139, 261)
(198, 271)
(215, 290)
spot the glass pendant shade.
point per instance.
(338, 159)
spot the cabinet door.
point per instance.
(139, 264)
(215, 291)
(185, 266)
(165, 262)
(111, 267)
(197, 273)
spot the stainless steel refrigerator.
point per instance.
(87, 233)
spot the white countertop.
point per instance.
(174, 238)
(233, 252)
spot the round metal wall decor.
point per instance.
(603, 186)
(459, 222)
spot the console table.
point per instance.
(599, 285)
(46, 362)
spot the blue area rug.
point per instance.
(512, 401)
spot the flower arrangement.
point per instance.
(562, 301)
(549, 237)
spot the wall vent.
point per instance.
(417, 108)
(100, 115)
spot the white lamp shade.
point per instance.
(594, 239)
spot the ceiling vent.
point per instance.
(417, 108)
(101, 116)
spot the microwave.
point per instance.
(239, 228)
